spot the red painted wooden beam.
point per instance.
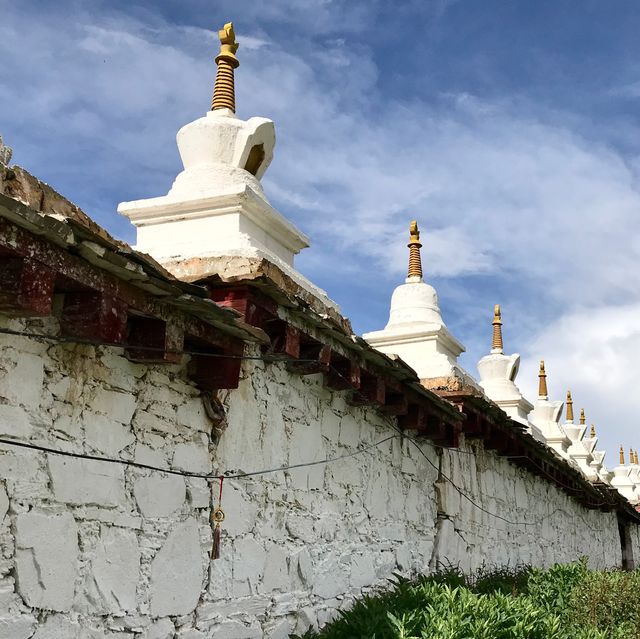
(158, 341)
(94, 316)
(26, 287)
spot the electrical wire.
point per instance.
(185, 473)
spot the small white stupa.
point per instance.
(597, 456)
(622, 482)
(216, 206)
(577, 451)
(634, 474)
(498, 376)
(545, 417)
(416, 331)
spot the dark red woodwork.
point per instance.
(395, 402)
(371, 391)
(219, 369)
(314, 358)
(344, 374)
(26, 287)
(157, 341)
(93, 316)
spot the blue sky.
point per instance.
(510, 130)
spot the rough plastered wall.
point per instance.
(91, 550)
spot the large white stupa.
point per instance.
(216, 205)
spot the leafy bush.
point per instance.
(564, 602)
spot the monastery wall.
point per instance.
(91, 549)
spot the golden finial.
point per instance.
(621, 455)
(631, 455)
(569, 407)
(415, 263)
(496, 343)
(635, 453)
(224, 95)
(583, 419)
(593, 430)
(542, 381)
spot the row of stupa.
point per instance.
(217, 209)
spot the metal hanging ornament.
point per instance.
(217, 517)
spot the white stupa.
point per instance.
(578, 452)
(597, 456)
(216, 205)
(498, 374)
(416, 331)
(634, 473)
(622, 482)
(545, 417)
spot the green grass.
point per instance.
(564, 602)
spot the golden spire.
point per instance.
(631, 455)
(621, 455)
(496, 343)
(569, 407)
(224, 95)
(593, 430)
(542, 381)
(583, 419)
(415, 263)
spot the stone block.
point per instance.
(198, 493)
(106, 435)
(236, 630)
(22, 383)
(158, 495)
(115, 569)
(276, 572)
(362, 571)
(193, 457)
(57, 627)
(14, 626)
(119, 406)
(14, 422)
(83, 481)
(162, 629)
(176, 572)
(46, 559)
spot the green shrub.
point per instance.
(564, 602)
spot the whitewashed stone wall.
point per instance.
(90, 550)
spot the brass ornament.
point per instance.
(415, 262)
(542, 381)
(496, 342)
(224, 96)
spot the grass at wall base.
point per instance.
(564, 602)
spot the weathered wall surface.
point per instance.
(91, 550)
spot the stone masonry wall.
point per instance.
(92, 550)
